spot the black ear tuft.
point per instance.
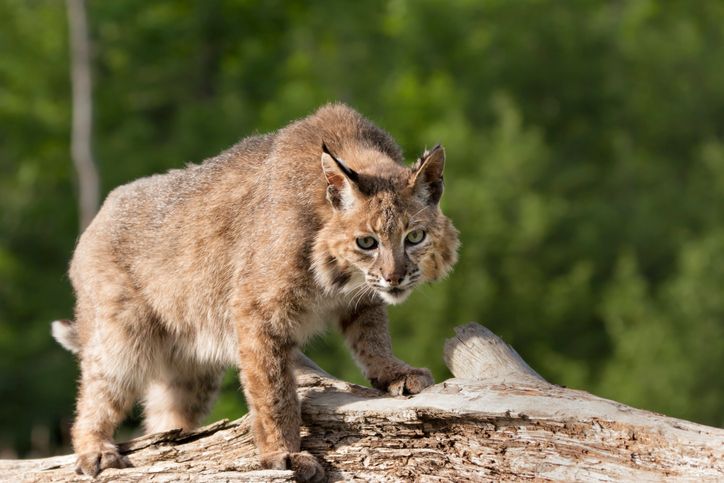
(427, 178)
(348, 172)
(325, 149)
(342, 181)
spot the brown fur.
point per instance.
(238, 261)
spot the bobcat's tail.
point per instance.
(65, 333)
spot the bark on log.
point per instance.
(496, 420)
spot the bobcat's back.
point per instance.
(235, 229)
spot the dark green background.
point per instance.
(585, 145)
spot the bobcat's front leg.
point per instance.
(368, 336)
(266, 373)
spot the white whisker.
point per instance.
(355, 292)
(367, 290)
(412, 218)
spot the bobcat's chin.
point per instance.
(394, 296)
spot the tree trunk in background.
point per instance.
(81, 141)
(496, 420)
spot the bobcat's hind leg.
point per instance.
(180, 397)
(100, 411)
(117, 355)
(108, 388)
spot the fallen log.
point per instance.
(497, 419)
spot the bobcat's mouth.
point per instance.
(395, 295)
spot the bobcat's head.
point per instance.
(387, 233)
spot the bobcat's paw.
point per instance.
(93, 462)
(305, 466)
(411, 380)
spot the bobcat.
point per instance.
(239, 260)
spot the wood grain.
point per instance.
(496, 420)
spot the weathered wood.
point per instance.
(496, 420)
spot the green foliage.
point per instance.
(585, 171)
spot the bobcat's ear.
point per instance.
(341, 180)
(427, 181)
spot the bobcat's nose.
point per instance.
(394, 279)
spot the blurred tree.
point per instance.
(82, 131)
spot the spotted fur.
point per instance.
(237, 261)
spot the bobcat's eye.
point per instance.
(415, 237)
(367, 242)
